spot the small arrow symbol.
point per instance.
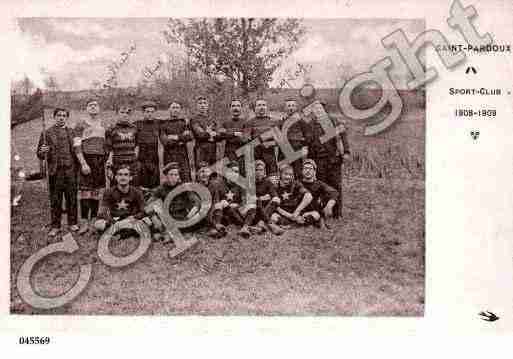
(471, 68)
(488, 316)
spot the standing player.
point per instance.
(296, 133)
(174, 135)
(147, 141)
(294, 199)
(327, 155)
(121, 143)
(205, 132)
(56, 145)
(325, 197)
(258, 125)
(233, 131)
(89, 144)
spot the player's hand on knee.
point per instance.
(100, 225)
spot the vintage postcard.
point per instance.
(282, 164)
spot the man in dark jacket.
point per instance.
(174, 135)
(56, 145)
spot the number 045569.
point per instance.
(34, 340)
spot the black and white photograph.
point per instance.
(216, 166)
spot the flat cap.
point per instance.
(170, 166)
(310, 162)
(147, 104)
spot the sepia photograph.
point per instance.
(216, 166)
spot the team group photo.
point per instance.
(210, 166)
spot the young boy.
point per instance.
(267, 200)
(89, 144)
(120, 202)
(56, 145)
(121, 143)
(183, 206)
(325, 197)
(294, 198)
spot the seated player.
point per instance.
(215, 214)
(324, 196)
(235, 211)
(182, 207)
(294, 199)
(121, 202)
(267, 200)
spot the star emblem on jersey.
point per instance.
(230, 195)
(285, 195)
(122, 205)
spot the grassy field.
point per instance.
(370, 263)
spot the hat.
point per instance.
(311, 162)
(170, 166)
(259, 163)
(232, 164)
(146, 104)
(285, 166)
(91, 99)
(202, 164)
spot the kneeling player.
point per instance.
(324, 196)
(121, 202)
(183, 206)
(235, 211)
(267, 200)
(294, 198)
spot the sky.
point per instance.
(77, 51)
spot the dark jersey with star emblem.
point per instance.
(291, 195)
(231, 192)
(321, 193)
(121, 139)
(117, 205)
